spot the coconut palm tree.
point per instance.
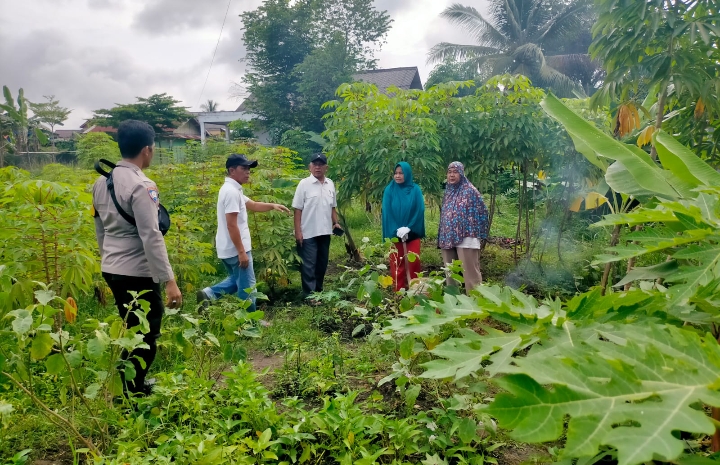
(512, 39)
(210, 105)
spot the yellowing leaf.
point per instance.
(385, 281)
(542, 175)
(645, 137)
(699, 108)
(627, 119)
(71, 310)
(575, 205)
(635, 116)
(594, 200)
(431, 342)
(351, 437)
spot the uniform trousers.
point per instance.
(470, 259)
(120, 285)
(315, 253)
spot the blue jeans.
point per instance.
(238, 280)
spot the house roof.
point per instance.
(190, 129)
(67, 133)
(402, 78)
(244, 105)
(93, 128)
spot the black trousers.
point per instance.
(314, 253)
(120, 285)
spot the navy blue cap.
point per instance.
(239, 160)
(319, 158)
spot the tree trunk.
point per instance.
(52, 141)
(653, 154)
(631, 263)
(350, 246)
(608, 266)
(493, 200)
(567, 195)
(659, 118)
(527, 211)
(519, 222)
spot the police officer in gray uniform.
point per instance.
(134, 258)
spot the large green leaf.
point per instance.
(661, 270)
(596, 146)
(41, 346)
(424, 319)
(683, 163)
(620, 180)
(660, 244)
(42, 138)
(629, 389)
(465, 356)
(55, 364)
(691, 277)
(23, 321)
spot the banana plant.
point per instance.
(21, 122)
(629, 170)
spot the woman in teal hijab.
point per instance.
(403, 218)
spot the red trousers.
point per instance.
(397, 263)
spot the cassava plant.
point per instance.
(46, 235)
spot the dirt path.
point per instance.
(260, 361)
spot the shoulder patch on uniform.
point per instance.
(154, 194)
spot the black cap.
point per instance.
(319, 158)
(239, 160)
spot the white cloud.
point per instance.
(92, 54)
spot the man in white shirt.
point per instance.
(233, 234)
(315, 218)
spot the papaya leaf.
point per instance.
(635, 250)
(629, 390)
(641, 217)
(662, 270)
(424, 319)
(464, 356)
(691, 277)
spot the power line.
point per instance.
(214, 52)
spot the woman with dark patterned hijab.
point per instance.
(463, 225)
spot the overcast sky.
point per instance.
(93, 54)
